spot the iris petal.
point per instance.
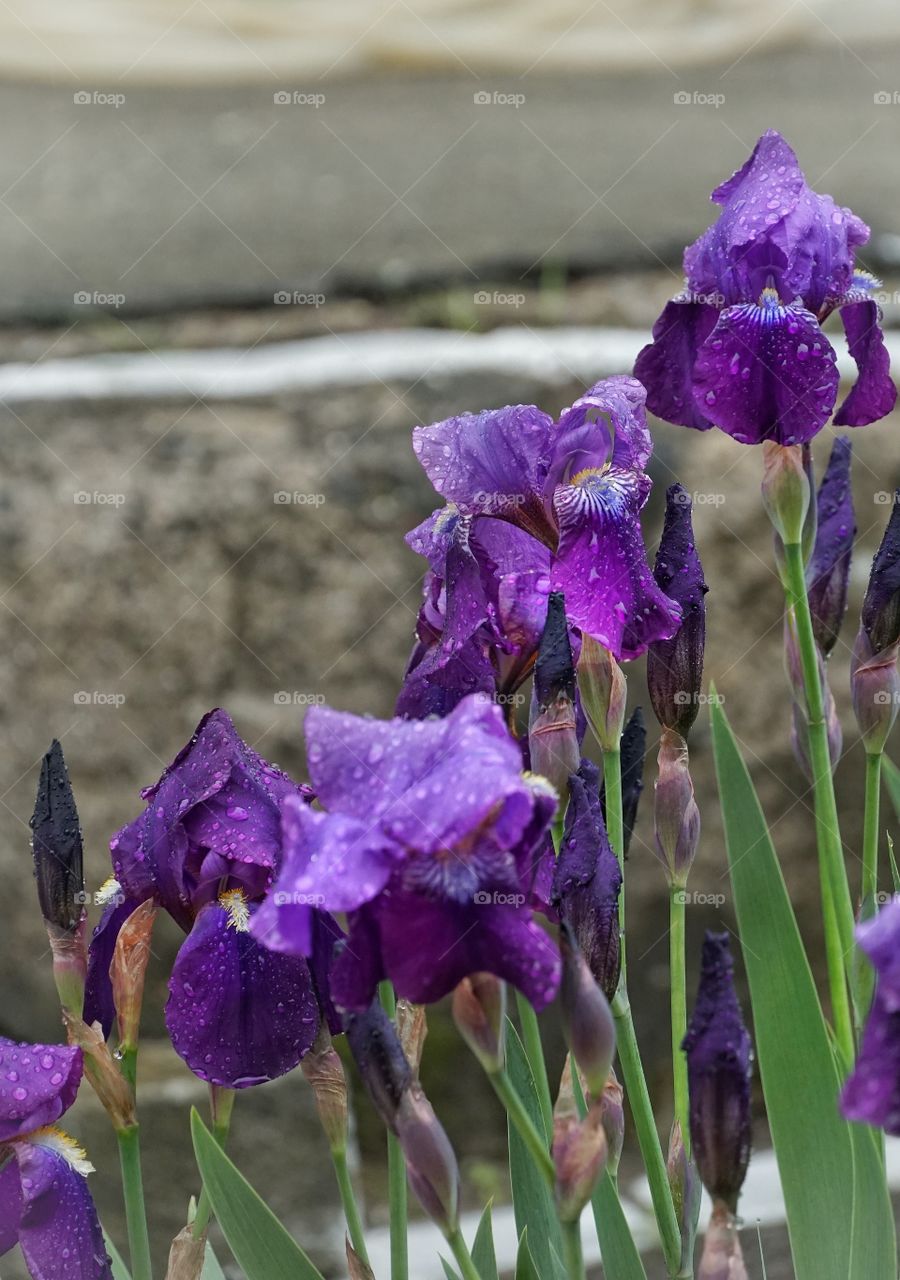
(238, 1013)
(767, 372)
(40, 1082)
(59, 1232)
(873, 395)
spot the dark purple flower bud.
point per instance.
(881, 605)
(587, 1018)
(56, 844)
(587, 881)
(379, 1055)
(718, 1051)
(552, 731)
(633, 751)
(479, 1011)
(675, 667)
(675, 810)
(828, 570)
(399, 1100)
(872, 1092)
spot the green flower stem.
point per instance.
(396, 1175)
(133, 1190)
(349, 1203)
(462, 1255)
(679, 1011)
(648, 1138)
(870, 828)
(572, 1256)
(515, 1110)
(534, 1051)
(837, 908)
(627, 1046)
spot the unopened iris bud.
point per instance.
(718, 1059)
(587, 881)
(399, 1100)
(128, 970)
(324, 1073)
(59, 871)
(603, 689)
(675, 809)
(479, 1011)
(579, 1150)
(412, 1028)
(430, 1161)
(874, 684)
(684, 1183)
(379, 1055)
(722, 1256)
(828, 570)
(632, 752)
(675, 666)
(785, 490)
(612, 1117)
(587, 1019)
(552, 731)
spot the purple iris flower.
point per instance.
(742, 347)
(587, 880)
(828, 571)
(719, 1054)
(577, 486)
(872, 1093)
(428, 843)
(45, 1204)
(484, 608)
(206, 848)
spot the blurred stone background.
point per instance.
(429, 167)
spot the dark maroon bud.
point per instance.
(56, 845)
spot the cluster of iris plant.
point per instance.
(463, 849)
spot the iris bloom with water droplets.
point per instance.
(577, 486)
(206, 848)
(428, 844)
(45, 1204)
(742, 347)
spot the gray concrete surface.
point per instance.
(180, 197)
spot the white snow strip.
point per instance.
(399, 356)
